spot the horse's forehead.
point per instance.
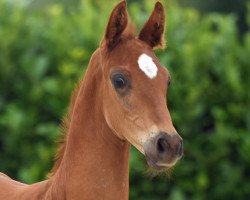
(139, 59)
(134, 52)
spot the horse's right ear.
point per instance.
(117, 24)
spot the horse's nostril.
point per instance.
(162, 145)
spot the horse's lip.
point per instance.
(152, 163)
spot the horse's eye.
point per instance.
(169, 82)
(119, 82)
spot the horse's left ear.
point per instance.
(153, 30)
(117, 24)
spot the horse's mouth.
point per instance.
(157, 165)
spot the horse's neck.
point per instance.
(95, 163)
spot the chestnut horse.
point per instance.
(120, 101)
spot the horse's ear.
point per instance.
(153, 30)
(117, 24)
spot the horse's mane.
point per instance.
(64, 127)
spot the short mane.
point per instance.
(64, 127)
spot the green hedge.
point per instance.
(44, 52)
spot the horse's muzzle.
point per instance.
(163, 150)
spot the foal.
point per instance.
(120, 101)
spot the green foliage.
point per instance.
(44, 52)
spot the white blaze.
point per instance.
(147, 65)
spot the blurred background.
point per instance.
(45, 47)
